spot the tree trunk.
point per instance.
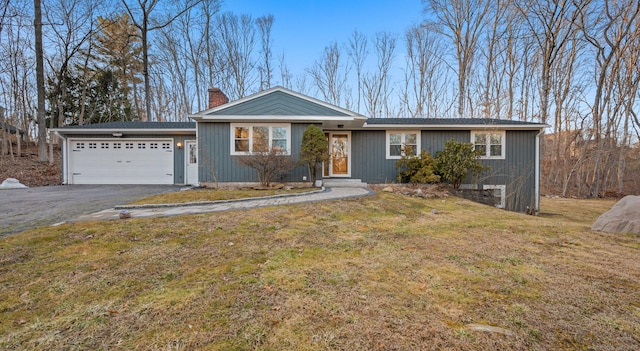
(42, 128)
(145, 63)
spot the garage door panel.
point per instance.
(121, 162)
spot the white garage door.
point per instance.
(121, 161)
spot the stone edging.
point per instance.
(204, 203)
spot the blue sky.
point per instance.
(303, 28)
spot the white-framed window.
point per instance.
(79, 145)
(490, 144)
(499, 192)
(400, 143)
(247, 138)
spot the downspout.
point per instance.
(537, 171)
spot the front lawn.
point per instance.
(382, 272)
(203, 194)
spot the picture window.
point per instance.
(251, 138)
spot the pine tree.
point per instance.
(118, 49)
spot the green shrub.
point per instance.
(456, 161)
(314, 149)
(417, 169)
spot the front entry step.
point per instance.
(343, 183)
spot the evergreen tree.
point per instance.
(314, 149)
(118, 49)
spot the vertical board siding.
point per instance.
(368, 157)
(516, 171)
(218, 165)
(369, 161)
(433, 140)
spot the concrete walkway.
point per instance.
(140, 211)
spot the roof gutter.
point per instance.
(457, 126)
(61, 132)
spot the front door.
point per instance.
(191, 160)
(340, 152)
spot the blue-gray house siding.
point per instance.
(516, 171)
(278, 103)
(216, 163)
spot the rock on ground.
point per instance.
(12, 183)
(623, 217)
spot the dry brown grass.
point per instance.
(202, 195)
(375, 273)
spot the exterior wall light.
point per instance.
(179, 145)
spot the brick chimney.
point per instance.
(217, 97)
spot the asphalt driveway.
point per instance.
(22, 209)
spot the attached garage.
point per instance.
(127, 153)
(117, 161)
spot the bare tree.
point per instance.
(285, 73)
(145, 25)
(423, 94)
(71, 23)
(266, 70)
(492, 51)
(329, 74)
(42, 128)
(376, 84)
(610, 36)
(551, 24)
(236, 43)
(462, 21)
(358, 52)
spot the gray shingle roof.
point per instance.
(137, 125)
(448, 121)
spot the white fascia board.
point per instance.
(456, 126)
(62, 132)
(269, 91)
(292, 119)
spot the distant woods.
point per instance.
(570, 64)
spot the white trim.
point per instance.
(479, 127)
(68, 176)
(503, 192)
(186, 162)
(537, 172)
(404, 134)
(503, 144)
(232, 127)
(349, 157)
(124, 131)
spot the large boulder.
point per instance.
(623, 217)
(12, 183)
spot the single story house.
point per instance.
(361, 148)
